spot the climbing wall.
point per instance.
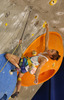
(13, 17)
(14, 14)
(12, 24)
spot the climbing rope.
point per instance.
(9, 58)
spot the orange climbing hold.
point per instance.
(52, 66)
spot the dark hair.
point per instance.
(56, 56)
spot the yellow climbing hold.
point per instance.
(44, 24)
(53, 2)
(11, 73)
(53, 64)
(34, 53)
(19, 79)
(35, 17)
(32, 34)
(6, 24)
(9, 97)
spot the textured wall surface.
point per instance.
(13, 17)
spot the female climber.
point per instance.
(28, 64)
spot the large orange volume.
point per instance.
(52, 66)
